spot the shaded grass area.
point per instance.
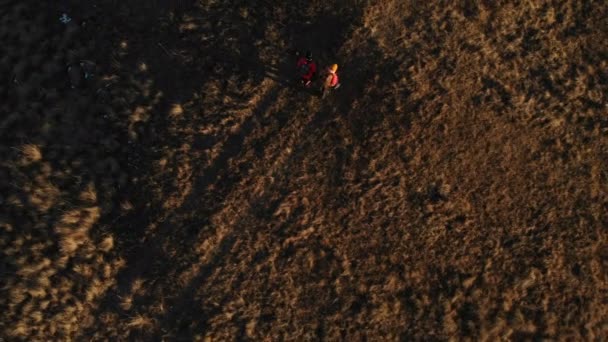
(453, 187)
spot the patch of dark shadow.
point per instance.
(510, 37)
(414, 106)
(204, 142)
(477, 100)
(586, 140)
(288, 227)
(201, 191)
(559, 18)
(406, 297)
(448, 64)
(530, 40)
(406, 336)
(603, 75)
(357, 305)
(588, 123)
(548, 142)
(436, 52)
(471, 47)
(434, 194)
(565, 155)
(416, 198)
(258, 149)
(405, 159)
(334, 306)
(268, 315)
(508, 55)
(542, 77)
(527, 336)
(570, 31)
(282, 117)
(260, 256)
(264, 207)
(336, 170)
(459, 220)
(470, 9)
(449, 226)
(285, 256)
(409, 21)
(505, 96)
(468, 315)
(591, 103)
(591, 82)
(320, 331)
(510, 242)
(325, 34)
(442, 129)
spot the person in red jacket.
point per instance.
(307, 68)
(331, 80)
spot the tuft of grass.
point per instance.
(107, 243)
(126, 303)
(140, 322)
(176, 110)
(30, 154)
(89, 195)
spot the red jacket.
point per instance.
(312, 67)
(332, 79)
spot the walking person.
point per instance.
(307, 68)
(331, 80)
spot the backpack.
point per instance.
(334, 80)
(304, 68)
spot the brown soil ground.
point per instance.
(454, 187)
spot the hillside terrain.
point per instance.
(454, 187)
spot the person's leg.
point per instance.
(306, 80)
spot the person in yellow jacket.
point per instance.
(331, 80)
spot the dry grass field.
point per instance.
(454, 188)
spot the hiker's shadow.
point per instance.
(287, 77)
(279, 74)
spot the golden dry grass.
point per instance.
(455, 186)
